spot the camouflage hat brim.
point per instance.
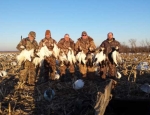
(32, 33)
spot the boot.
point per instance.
(62, 78)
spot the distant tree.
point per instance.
(133, 45)
(125, 48)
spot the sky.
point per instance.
(127, 19)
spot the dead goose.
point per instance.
(70, 56)
(99, 57)
(90, 59)
(56, 51)
(81, 58)
(62, 58)
(116, 57)
(25, 55)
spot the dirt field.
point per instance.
(67, 101)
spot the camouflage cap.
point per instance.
(32, 33)
(84, 32)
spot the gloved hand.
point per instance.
(37, 50)
(91, 49)
(44, 44)
(117, 48)
(69, 48)
(22, 47)
(80, 48)
(101, 48)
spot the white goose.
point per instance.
(70, 56)
(62, 58)
(44, 51)
(56, 51)
(25, 55)
(81, 57)
(99, 57)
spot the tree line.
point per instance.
(144, 46)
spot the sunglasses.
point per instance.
(83, 35)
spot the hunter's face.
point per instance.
(48, 36)
(30, 37)
(110, 36)
(84, 36)
(66, 37)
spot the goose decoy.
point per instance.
(3, 74)
(145, 88)
(49, 94)
(78, 84)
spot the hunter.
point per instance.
(109, 44)
(86, 44)
(66, 44)
(49, 62)
(29, 68)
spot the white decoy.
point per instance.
(49, 94)
(13, 63)
(145, 88)
(3, 74)
(78, 84)
(118, 75)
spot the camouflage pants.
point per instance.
(49, 68)
(28, 73)
(87, 71)
(63, 69)
(90, 72)
(83, 69)
(110, 67)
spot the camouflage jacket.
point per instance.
(110, 45)
(27, 44)
(48, 42)
(85, 44)
(64, 45)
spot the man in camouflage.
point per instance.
(29, 68)
(49, 62)
(109, 44)
(66, 44)
(86, 44)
